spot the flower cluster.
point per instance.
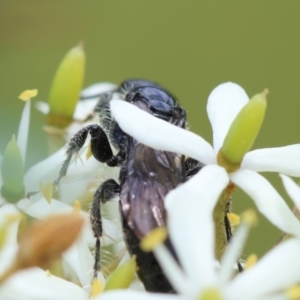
(190, 207)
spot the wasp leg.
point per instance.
(105, 192)
(192, 167)
(229, 237)
(101, 148)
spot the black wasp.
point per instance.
(146, 175)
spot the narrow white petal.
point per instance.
(42, 208)
(232, 253)
(281, 159)
(277, 270)
(81, 260)
(96, 89)
(43, 107)
(85, 108)
(292, 189)
(48, 170)
(136, 295)
(90, 98)
(160, 134)
(267, 200)
(36, 284)
(23, 131)
(190, 222)
(223, 105)
(173, 271)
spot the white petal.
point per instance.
(43, 107)
(232, 253)
(48, 170)
(267, 200)
(277, 270)
(96, 89)
(160, 134)
(136, 295)
(223, 105)
(292, 189)
(85, 108)
(22, 137)
(190, 222)
(81, 260)
(282, 160)
(42, 209)
(36, 284)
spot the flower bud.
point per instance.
(44, 242)
(243, 131)
(66, 87)
(12, 171)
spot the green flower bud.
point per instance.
(243, 132)
(12, 172)
(66, 87)
(122, 277)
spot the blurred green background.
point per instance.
(188, 46)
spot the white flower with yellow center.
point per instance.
(235, 122)
(191, 230)
(15, 183)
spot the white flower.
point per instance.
(79, 176)
(224, 103)
(191, 230)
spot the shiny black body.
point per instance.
(146, 175)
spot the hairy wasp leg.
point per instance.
(100, 148)
(229, 237)
(105, 192)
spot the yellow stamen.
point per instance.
(293, 292)
(97, 287)
(77, 207)
(154, 238)
(250, 217)
(234, 219)
(251, 261)
(47, 191)
(210, 294)
(89, 152)
(26, 95)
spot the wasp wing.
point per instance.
(151, 174)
